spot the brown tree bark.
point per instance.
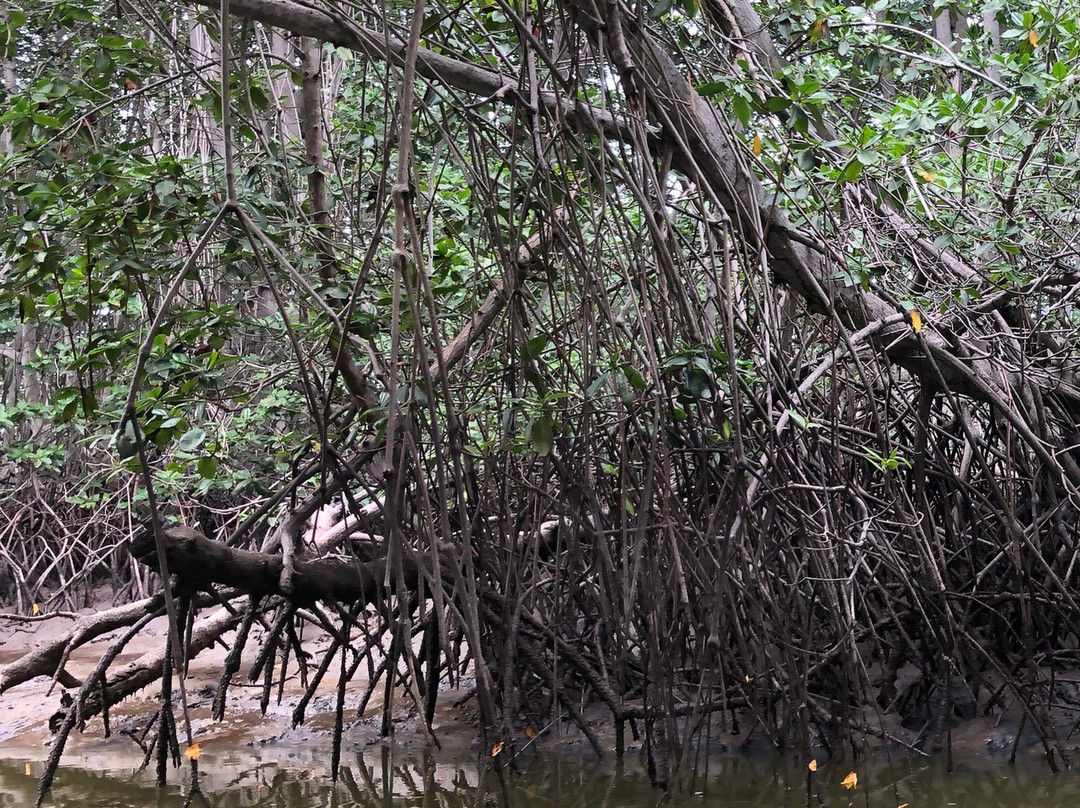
(198, 562)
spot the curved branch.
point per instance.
(338, 29)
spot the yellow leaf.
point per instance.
(819, 29)
(1033, 38)
(757, 146)
(926, 176)
(812, 766)
(35, 610)
(851, 781)
(316, 447)
(916, 319)
(530, 733)
(496, 749)
(192, 752)
(530, 792)
(26, 769)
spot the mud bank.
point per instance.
(25, 711)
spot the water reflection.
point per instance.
(380, 778)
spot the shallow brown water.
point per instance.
(295, 777)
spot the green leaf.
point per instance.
(597, 385)
(853, 171)
(741, 107)
(192, 439)
(89, 402)
(542, 434)
(207, 467)
(27, 308)
(635, 378)
(660, 8)
(536, 346)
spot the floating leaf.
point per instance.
(192, 752)
(756, 148)
(812, 765)
(496, 749)
(916, 319)
(851, 781)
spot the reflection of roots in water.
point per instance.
(384, 777)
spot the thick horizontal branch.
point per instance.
(198, 562)
(46, 658)
(338, 29)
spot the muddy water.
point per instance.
(295, 777)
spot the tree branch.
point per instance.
(199, 562)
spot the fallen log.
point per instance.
(48, 659)
(146, 670)
(199, 562)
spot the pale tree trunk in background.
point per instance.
(204, 133)
(992, 27)
(8, 68)
(945, 34)
(311, 124)
(280, 51)
(333, 82)
(19, 383)
(165, 125)
(943, 28)
(313, 127)
(281, 127)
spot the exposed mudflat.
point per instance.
(25, 712)
(26, 708)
